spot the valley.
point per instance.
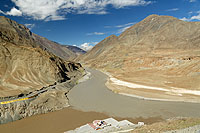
(149, 73)
(93, 95)
(159, 51)
(34, 78)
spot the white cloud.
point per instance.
(195, 17)
(173, 9)
(86, 46)
(123, 3)
(121, 26)
(190, 12)
(185, 19)
(95, 33)
(12, 12)
(95, 43)
(125, 25)
(30, 26)
(123, 29)
(1, 12)
(57, 9)
(192, 0)
(41, 9)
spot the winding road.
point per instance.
(28, 97)
(93, 95)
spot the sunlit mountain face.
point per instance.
(88, 22)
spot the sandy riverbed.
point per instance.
(152, 93)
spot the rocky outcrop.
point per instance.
(52, 100)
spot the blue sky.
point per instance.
(87, 22)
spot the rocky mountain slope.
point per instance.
(100, 49)
(55, 48)
(154, 32)
(24, 64)
(22, 35)
(160, 51)
(75, 49)
(26, 67)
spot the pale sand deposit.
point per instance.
(174, 93)
(133, 85)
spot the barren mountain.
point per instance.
(160, 51)
(55, 48)
(25, 66)
(28, 70)
(100, 49)
(75, 49)
(23, 36)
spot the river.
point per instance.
(93, 95)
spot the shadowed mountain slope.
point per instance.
(75, 49)
(55, 48)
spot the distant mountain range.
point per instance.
(66, 52)
(75, 49)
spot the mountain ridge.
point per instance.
(157, 32)
(19, 32)
(33, 78)
(28, 61)
(158, 51)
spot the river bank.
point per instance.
(145, 92)
(93, 95)
(60, 121)
(91, 100)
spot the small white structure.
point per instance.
(141, 123)
(106, 126)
